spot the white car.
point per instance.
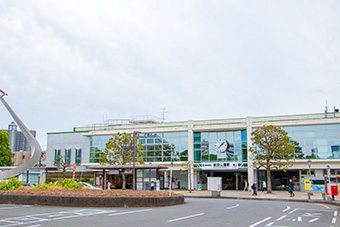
(90, 186)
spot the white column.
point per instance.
(251, 177)
(191, 153)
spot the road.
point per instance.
(195, 212)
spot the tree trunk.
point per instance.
(269, 181)
(124, 181)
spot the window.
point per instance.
(57, 154)
(68, 156)
(78, 156)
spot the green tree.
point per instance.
(119, 151)
(5, 150)
(271, 149)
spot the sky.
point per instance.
(67, 64)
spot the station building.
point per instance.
(218, 148)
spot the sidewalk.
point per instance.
(275, 195)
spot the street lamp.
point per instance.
(134, 157)
(309, 165)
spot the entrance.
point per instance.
(230, 180)
(280, 179)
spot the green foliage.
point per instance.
(119, 150)
(12, 184)
(272, 148)
(45, 186)
(5, 150)
(70, 184)
(66, 184)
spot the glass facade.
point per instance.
(207, 146)
(317, 141)
(158, 147)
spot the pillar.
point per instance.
(251, 175)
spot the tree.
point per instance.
(271, 149)
(119, 151)
(5, 150)
(62, 163)
(298, 154)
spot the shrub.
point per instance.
(70, 184)
(45, 186)
(12, 184)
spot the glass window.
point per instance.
(57, 154)
(78, 156)
(68, 156)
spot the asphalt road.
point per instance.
(195, 212)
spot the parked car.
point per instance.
(90, 186)
(30, 185)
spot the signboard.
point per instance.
(314, 185)
(219, 165)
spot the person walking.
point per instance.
(291, 188)
(264, 186)
(152, 186)
(245, 186)
(254, 188)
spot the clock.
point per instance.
(221, 145)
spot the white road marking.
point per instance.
(129, 212)
(299, 218)
(270, 224)
(237, 205)
(186, 217)
(279, 219)
(311, 215)
(335, 213)
(32, 219)
(288, 208)
(313, 220)
(333, 220)
(293, 211)
(13, 207)
(259, 222)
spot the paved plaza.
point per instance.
(275, 195)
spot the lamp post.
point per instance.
(134, 161)
(309, 165)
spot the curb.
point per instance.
(268, 199)
(91, 201)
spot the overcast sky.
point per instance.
(72, 63)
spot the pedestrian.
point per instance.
(291, 188)
(152, 186)
(108, 185)
(254, 188)
(264, 186)
(245, 186)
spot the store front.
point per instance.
(233, 174)
(113, 175)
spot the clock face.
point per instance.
(221, 145)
